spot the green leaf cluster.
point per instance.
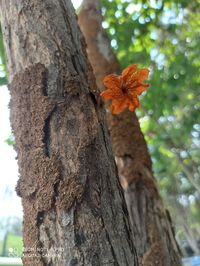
(3, 69)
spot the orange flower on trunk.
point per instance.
(123, 90)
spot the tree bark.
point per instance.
(191, 238)
(74, 210)
(151, 224)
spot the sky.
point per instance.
(76, 3)
(10, 203)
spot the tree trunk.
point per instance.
(190, 238)
(183, 214)
(4, 245)
(74, 210)
(151, 224)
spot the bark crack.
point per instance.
(112, 249)
(40, 218)
(47, 134)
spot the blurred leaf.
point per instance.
(10, 140)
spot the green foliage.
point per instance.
(3, 69)
(11, 230)
(15, 243)
(165, 36)
(10, 140)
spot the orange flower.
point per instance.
(123, 90)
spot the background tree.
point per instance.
(70, 192)
(165, 35)
(152, 232)
(11, 230)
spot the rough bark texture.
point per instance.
(151, 224)
(74, 210)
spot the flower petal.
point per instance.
(118, 106)
(138, 89)
(127, 72)
(110, 94)
(142, 74)
(112, 81)
(133, 104)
